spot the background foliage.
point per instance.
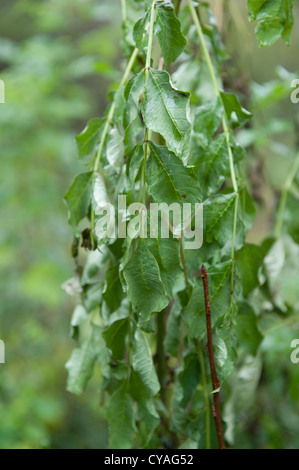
(57, 60)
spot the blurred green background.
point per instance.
(58, 59)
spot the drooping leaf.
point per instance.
(166, 111)
(248, 334)
(134, 162)
(237, 115)
(81, 363)
(167, 253)
(206, 121)
(253, 7)
(145, 288)
(249, 259)
(89, 137)
(187, 380)
(218, 217)
(113, 292)
(275, 19)
(225, 351)
(78, 198)
(132, 121)
(78, 317)
(173, 332)
(115, 337)
(243, 386)
(99, 193)
(247, 208)
(146, 408)
(168, 31)
(140, 30)
(94, 269)
(212, 164)
(120, 416)
(115, 149)
(169, 180)
(143, 362)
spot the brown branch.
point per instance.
(215, 379)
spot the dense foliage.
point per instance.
(170, 135)
(57, 59)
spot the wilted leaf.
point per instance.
(166, 111)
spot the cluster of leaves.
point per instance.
(169, 136)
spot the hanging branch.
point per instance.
(226, 129)
(215, 379)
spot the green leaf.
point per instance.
(94, 268)
(237, 115)
(78, 198)
(99, 193)
(185, 386)
(189, 377)
(173, 331)
(275, 19)
(145, 288)
(113, 292)
(225, 351)
(243, 386)
(253, 8)
(248, 209)
(168, 31)
(167, 253)
(120, 416)
(139, 32)
(78, 317)
(166, 111)
(212, 164)
(249, 259)
(134, 162)
(146, 408)
(143, 362)
(249, 336)
(89, 137)
(219, 290)
(206, 121)
(132, 122)
(169, 180)
(218, 217)
(115, 337)
(115, 150)
(81, 363)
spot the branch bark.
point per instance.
(215, 379)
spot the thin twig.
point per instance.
(215, 379)
(206, 395)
